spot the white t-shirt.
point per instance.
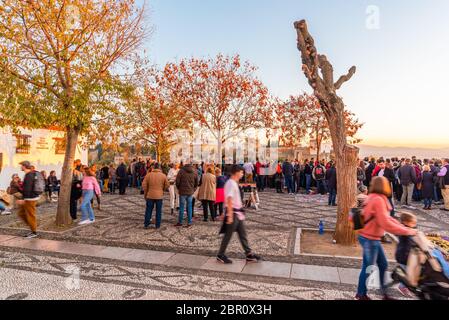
(381, 172)
(231, 189)
(248, 168)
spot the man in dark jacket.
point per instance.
(369, 172)
(308, 175)
(122, 176)
(287, 170)
(407, 177)
(186, 182)
(331, 180)
(27, 209)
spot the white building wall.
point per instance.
(41, 155)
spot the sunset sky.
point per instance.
(401, 86)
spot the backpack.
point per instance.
(39, 183)
(357, 219)
(319, 173)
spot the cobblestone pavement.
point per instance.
(271, 229)
(39, 276)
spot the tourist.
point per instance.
(427, 187)
(376, 214)
(173, 191)
(105, 178)
(319, 175)
(234, 218)
(154, 185)
(296, 177)
(219, 193)
(130, 176)
(434, 168)
(207, 194)
(141, 172)
(112, 178)
(249, 168)
(308, 175)
(362, 195)
(31, 194)
(407, 177)
(186, 183)
(361, 176)
(417, 193)
(278, 178)
(331, 181)
(122, 177)
(15, 189)
(90, 187)
(382, 170)
(369, 171)
(52, 184)
(75, 190)
(444, 174)
(288, 171)
(260, 177)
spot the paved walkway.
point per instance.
(199, 262)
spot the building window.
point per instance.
(23, 144)
(59, 145)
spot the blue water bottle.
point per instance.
(321, 227)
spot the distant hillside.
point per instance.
(388, 152)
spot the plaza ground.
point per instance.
(118, 259)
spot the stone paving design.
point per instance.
(140, 281)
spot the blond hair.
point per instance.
(426, 168)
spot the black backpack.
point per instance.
(358, 219)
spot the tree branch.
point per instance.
(345, 78)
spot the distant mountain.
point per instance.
(389, 152)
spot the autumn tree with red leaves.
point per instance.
(221, 93)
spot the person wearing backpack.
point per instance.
(33, 187)
(319, 174)
(377, 221)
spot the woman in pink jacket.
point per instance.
(377, 218)
(90, 188)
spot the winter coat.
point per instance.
(208, 187)
(154, 185)
(407, 175)
(427, 185)
(187, 180)
(121, 172)
(287, 169)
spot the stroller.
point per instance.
(423, 275)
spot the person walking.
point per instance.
(173, 191)
(33, 187)
(331, 181)
(308, 175)
(207, 193)
(378, 220)
(154, 185)
(53, 185)
(122, 178)
(444, 175)
(234, 218)
(407, 177)
(76, 190)
(90, 188)
(186, 183)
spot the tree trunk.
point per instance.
(62, 215)
(320, 73)
(219, 146)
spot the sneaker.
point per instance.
(253, 258)
(31, 235)
(411, 207)
(223, 259)
(405, 291)
(362, 297)
(83, 222)
(6, 212)
(178, 225)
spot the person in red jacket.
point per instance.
(376, 214)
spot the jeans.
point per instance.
(130, 181)
(427, 202)
(239, 227)
(122, 183)
(321, 186)
(260, 183)
(149, 212)
(86, 207)
(139, 182)
(373, 254)
(182, 202)
(407, 193)
(289, 183)
(308, 182)
(208, 206)
(435, 194)
(332, 196)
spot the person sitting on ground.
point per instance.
(15, 189)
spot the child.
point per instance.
(404, 246)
